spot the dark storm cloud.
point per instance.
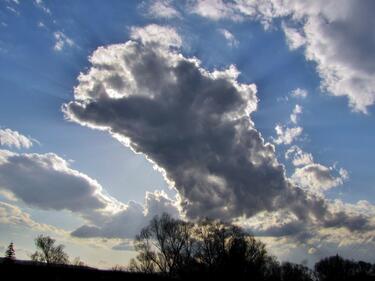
(194, 124)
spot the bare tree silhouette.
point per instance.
(178, 248)
(165, 246)
(296, 272)
(336, 268)
(49, 252)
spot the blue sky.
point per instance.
(45, 45)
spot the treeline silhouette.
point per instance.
(171, 249)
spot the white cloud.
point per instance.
(13, 10)
(299, 157)
(214, 9)
(338, 39)
(128, 222)
(61, 41)
(232, 41)
(294, 37)
(41, 24)
(295, 114)
(47, 182)
(41, 5)
(299, 93)
(156, 34)
(12, 138)
(163, 9)
(13, 215)
(287, 135)
(318, 178)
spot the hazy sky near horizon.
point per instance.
(257, 112)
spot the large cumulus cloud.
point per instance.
(193, 124)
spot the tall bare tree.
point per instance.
(48, 252)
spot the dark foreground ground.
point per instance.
(38, 272)
(26, 270)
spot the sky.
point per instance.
(260, 113)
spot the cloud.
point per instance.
(339, 40)
(40, 4)
(214, 9)
(299, 157)
(46, 181)
(13, 215)
(156, 34)
(232, 41)
(287, 135)
(299, 93)
(195, 127)
(61, 41)
(13, 10)
(12, 138)
(192, 124)
(163, 9)
(318, 178)
(293, 36)
(295, 114)
(129, 222)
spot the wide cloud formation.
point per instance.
(337, 36)
(193, 124)
(47, 182)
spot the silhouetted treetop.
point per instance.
(49, 252)
(10, 253)
(178, 248)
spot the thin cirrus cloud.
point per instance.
(339, 39)
(62, 41)
(195, 127)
